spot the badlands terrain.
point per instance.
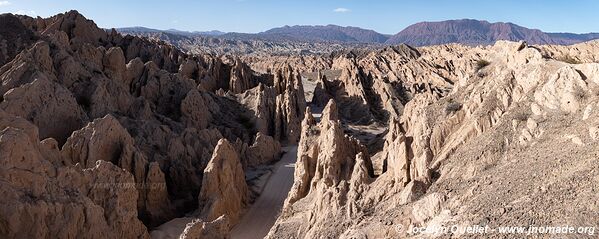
(104, 135)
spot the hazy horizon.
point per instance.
(253, 16)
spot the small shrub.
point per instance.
(481, 74)
(568, 59)
(580, 93)
(521, 116)
(452, 107)
(481, 64)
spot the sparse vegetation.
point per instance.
(480, 64)
(481, 74)
(569, 59)
(452, 107)
(580, 93)
(521, 116)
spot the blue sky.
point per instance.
(389, 17)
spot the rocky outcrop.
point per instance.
(224, 190)
(279, 108)
(290, 105)
(473, 140)
(242, 78)
(38, 193)
(145, 107)
(23, 68)
(264, 150)
(197, 229)
(48, 105)
(105, 139)
(79, 29)
(408, 137)
(194, 110)
(331, 167)
(397, 154)
(14, 37)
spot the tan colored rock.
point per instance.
(264, 150)
(155, 201)
(98, 201)
(262, 101)
(48, 105)
(242, 78)
(188, 69)
(105, 139)
(290, 105)
(197, 229)
(114, 64)
(135, 69)
(78, 28)
(306, 162)
(594, 133)
(412, 192)
(566, 91)
(397, 160)
(224, 190)
(37, 58)
(279, 109)
(102, 139)
(331, 166)
(8, 120)
(427, 208)
(195, 112)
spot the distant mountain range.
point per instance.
(142, 30)
(327, 33)
(475, 32)
(466, 31)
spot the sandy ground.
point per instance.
(172, 229)
(260, 216)
(264, 212)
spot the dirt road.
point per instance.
(264, 212)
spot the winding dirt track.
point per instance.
(264, 212)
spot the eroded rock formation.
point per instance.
(224, 190)
(138, 116)
(119, 134)
(44, 198)
(449, 152)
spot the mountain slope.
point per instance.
(475, 32)
(465, 31)
(145, 30)
(327, 33)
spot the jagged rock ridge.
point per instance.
(122, 129)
